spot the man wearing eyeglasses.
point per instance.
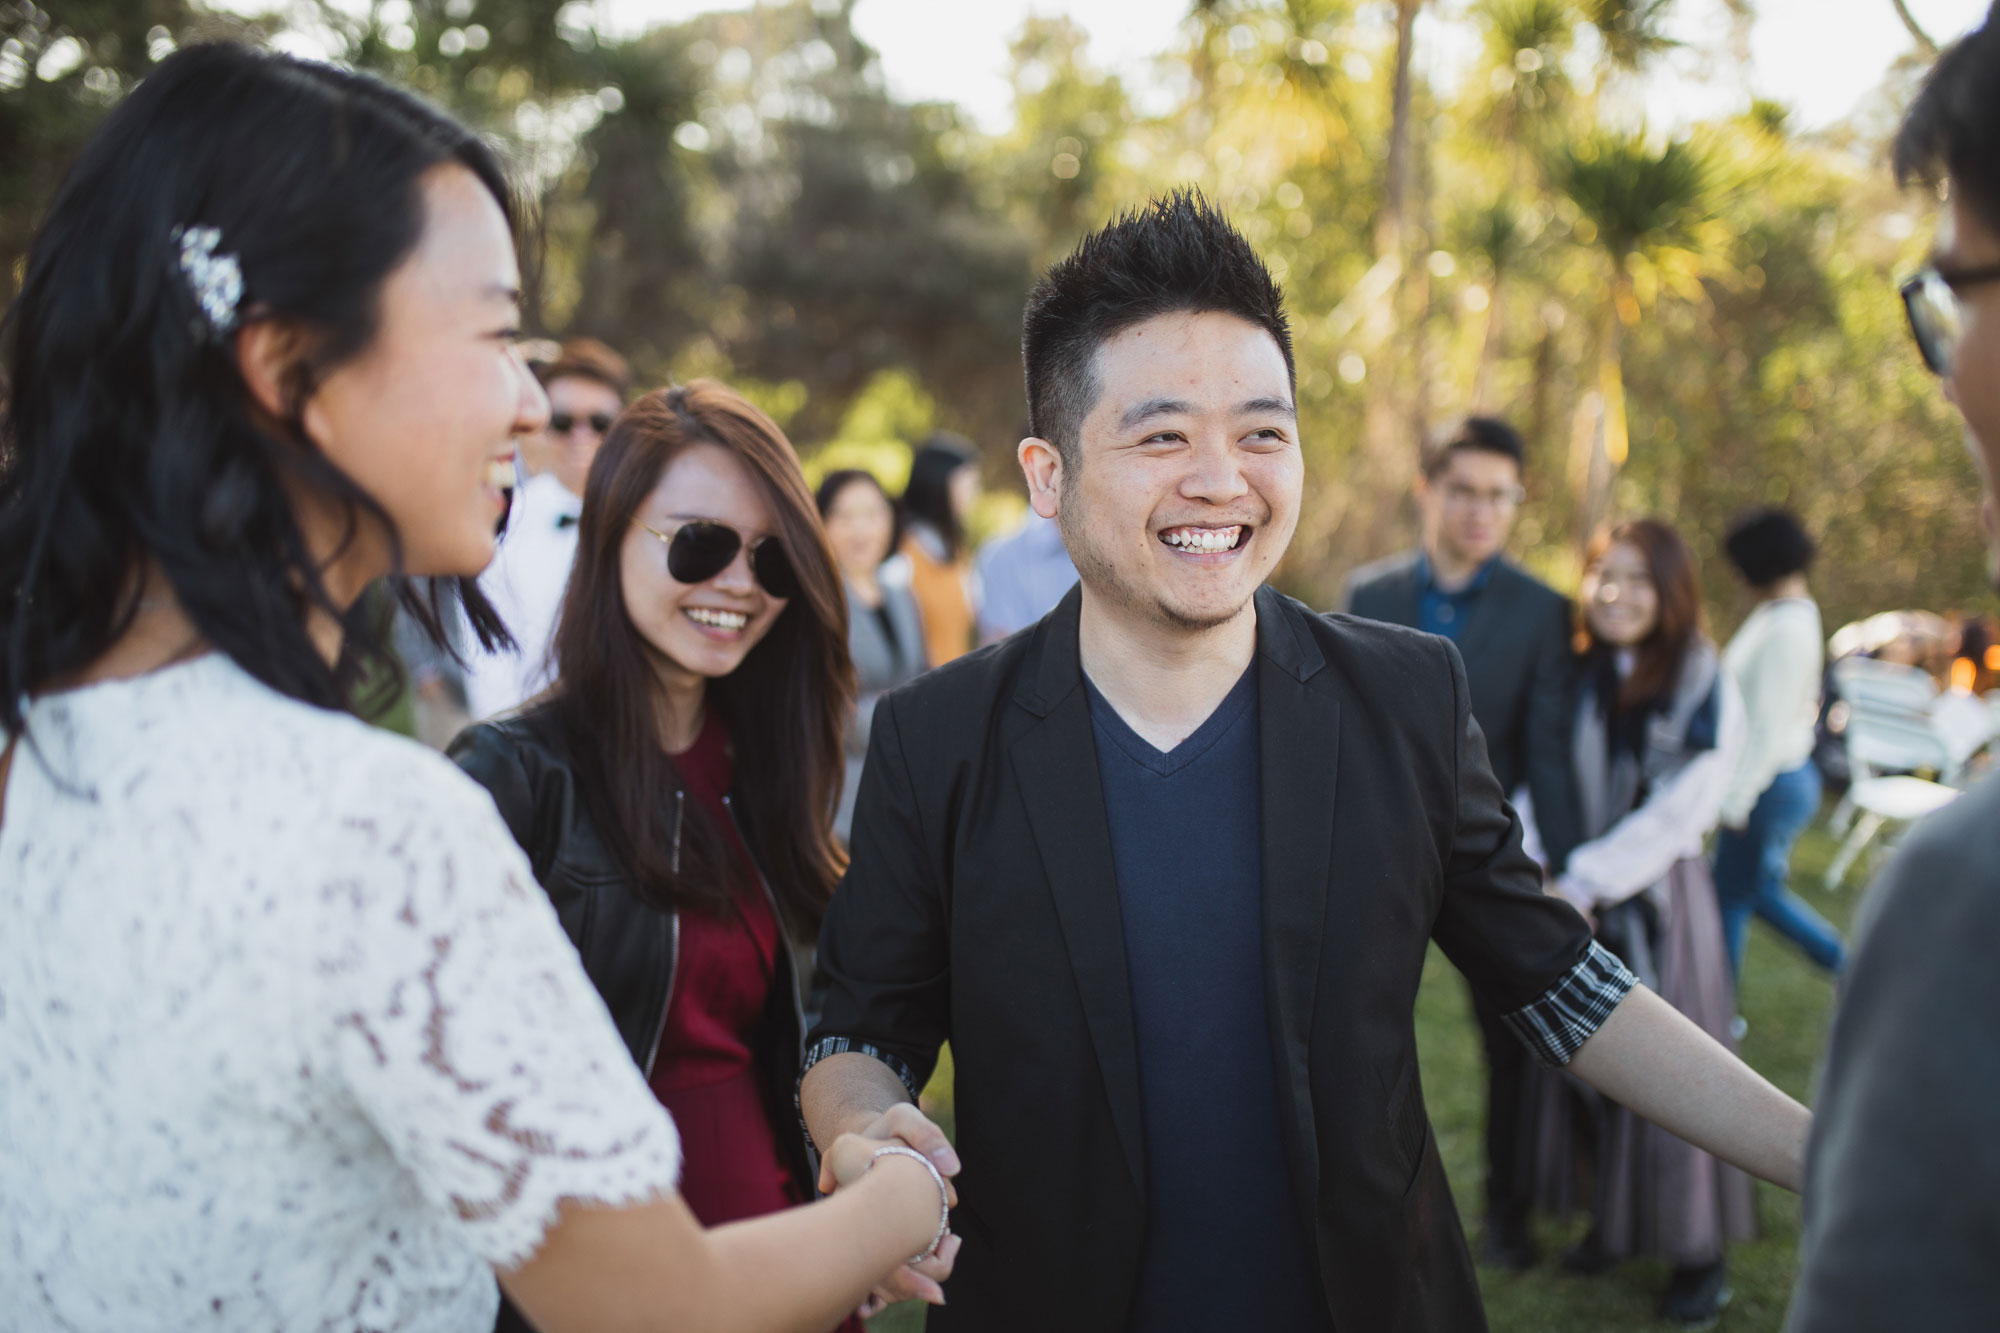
(1513, 633)
(586, 383)
(1902, 1194)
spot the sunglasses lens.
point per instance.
(1933, 311)
(562, 423)
(774, 570)
(700, 551)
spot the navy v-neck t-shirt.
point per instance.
(1225, 1246)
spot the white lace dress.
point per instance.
(289, 1039)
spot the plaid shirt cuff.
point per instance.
(1575, 1007)
(826, 1046)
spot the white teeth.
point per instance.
(500, 473)
(701, 615)
(1203, 540)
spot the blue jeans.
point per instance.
(1751, 867)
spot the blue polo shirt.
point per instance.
(1441, 612)
(1225, 1247)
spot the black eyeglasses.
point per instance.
(562, 423)
(1930, 299)
(701, 548)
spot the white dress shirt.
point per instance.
(525, 583)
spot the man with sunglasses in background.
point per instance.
(586, 383)
(1902, 1194)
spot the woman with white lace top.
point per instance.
(289, 1039)
(1657, 727)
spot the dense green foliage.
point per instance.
(1679, 325)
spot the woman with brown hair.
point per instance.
(674, 787)
(1657, 728)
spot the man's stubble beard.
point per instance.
(1102, 578)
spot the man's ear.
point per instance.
(1042, 464)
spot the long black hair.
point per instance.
(129, 438)
(927, 498)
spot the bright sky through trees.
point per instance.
(1819, 57)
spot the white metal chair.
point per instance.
(1897, 724)
(1889, 704)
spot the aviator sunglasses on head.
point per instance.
(701, 548)
(562, 423)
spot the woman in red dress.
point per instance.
(674, 788)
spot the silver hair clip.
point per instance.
(216, 280)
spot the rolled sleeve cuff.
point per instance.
(826, 1046)
(1556, 1026)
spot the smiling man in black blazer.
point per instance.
(1163, 869)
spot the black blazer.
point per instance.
(981, 907)
(1516, 647)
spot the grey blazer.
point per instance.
(879, 665)
(1902, 1196)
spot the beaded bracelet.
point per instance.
(944, 1195)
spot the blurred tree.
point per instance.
(1633, 31)
(59, 71)
(1391, 421)
(1653, 214)
(851, 241)
(739, 195)
(1055, 173)
(624, 213)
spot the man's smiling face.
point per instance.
(1185, 486)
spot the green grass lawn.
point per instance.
(1787, 1002)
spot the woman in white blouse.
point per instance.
(1776, 659)
(288, 1037)
(1657, 728)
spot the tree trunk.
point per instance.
(1541, 389)
(1491, 340)
(1388, 454)
(1923, 39)
(1605, 441)
(1397, 173)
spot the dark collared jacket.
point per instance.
(982, 907)
(1516, 647)
(629, 948)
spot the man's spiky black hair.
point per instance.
(1954, 126)
(1177, 254)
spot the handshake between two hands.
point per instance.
(850, 1157)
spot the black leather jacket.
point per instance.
(629, 948)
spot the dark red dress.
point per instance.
(705, 1074)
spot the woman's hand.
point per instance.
(852, 1155)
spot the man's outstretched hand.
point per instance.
(901, 1123)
